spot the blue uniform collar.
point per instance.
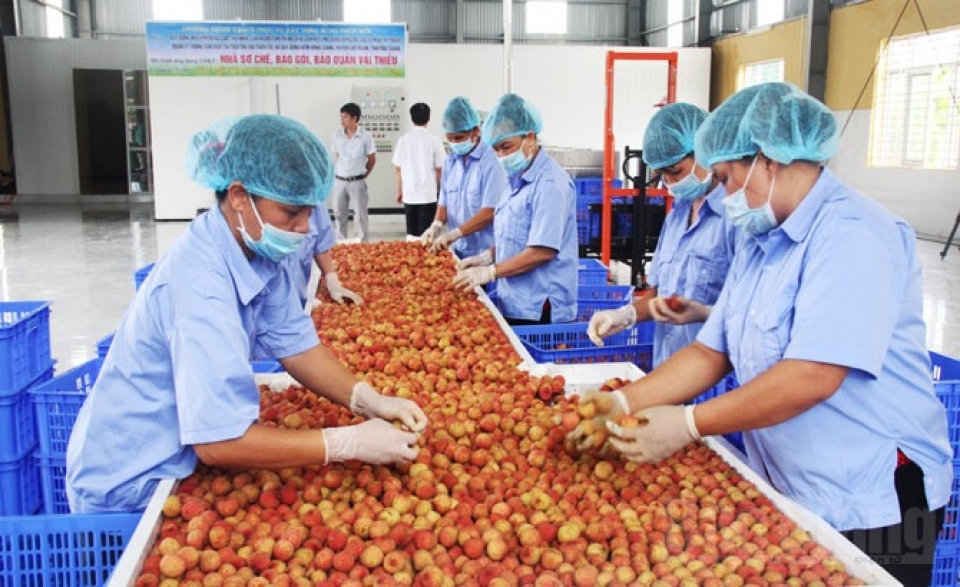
(797, 226)
(249, 276)
(715, 200)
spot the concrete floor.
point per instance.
(83, 260)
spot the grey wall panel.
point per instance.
(40, 74)
(33, 19)
(118, 19)
(484, 20)
(236, 9)
(428, 21)
(603, 23)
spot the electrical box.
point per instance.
(383, 112)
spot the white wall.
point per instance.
(565, 82)
(928, 200)
(43, 124)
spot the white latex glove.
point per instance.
(444, 242)
(431, 234)
(339, 293)
(663, 430)
(374, 441)
(689, 310)
(367, 402)
(281, 382)
(467, 279)
(484, 258)
(311, 305)
(609, 405)
(610, 322)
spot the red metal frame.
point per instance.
(610, 145)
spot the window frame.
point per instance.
(544, 3)
(893, 124)
(364, 19)
(742, 76)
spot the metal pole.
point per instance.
(507, 45)
(953, 233)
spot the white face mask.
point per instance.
(753, 220)
(690, 187)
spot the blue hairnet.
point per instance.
(460, 116)
(511, 116)
(669, 136)
(272, 156)
(779, 119)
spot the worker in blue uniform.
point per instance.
(177, 386)
(471, 185)
(821, 317)
(696, 242)
(534, 257)
(316, 249)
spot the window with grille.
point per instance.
(366, 11)
(916, 113)
(546, 17)
(54, 18)
(760, 72)
(177, 9)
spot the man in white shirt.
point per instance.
(418, 157)
(355, 155)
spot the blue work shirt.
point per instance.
(691, 261)
(838, 282)
(470, 183)
(539, 210)
(178, 371)
(320, 239)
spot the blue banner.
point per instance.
(276, 49)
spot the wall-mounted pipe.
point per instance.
(507, 45)
(63, 11)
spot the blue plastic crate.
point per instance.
(946, 383)
(53, 483)
(62, 550)
(946, 565)
(20, 492)
(591, 186)
(591, 272)
(24, 344)
(18, 427)
(951, 515)
(103, 346)
(568, 343)
(57, 403)
(593, 298)
(267, 366)
(140, 275)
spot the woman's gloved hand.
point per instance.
(609, 322)
(678, 310)
(481, 260)
(339, 293)
(444, 242)
(467, 279)
(375, 441)
(663, 430)
(367, 402)
(606, 406)
(282, 381)
(432, 233)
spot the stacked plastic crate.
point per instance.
(590, 192)
(946, 383)
(24, 363)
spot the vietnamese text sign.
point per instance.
(275, 48)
